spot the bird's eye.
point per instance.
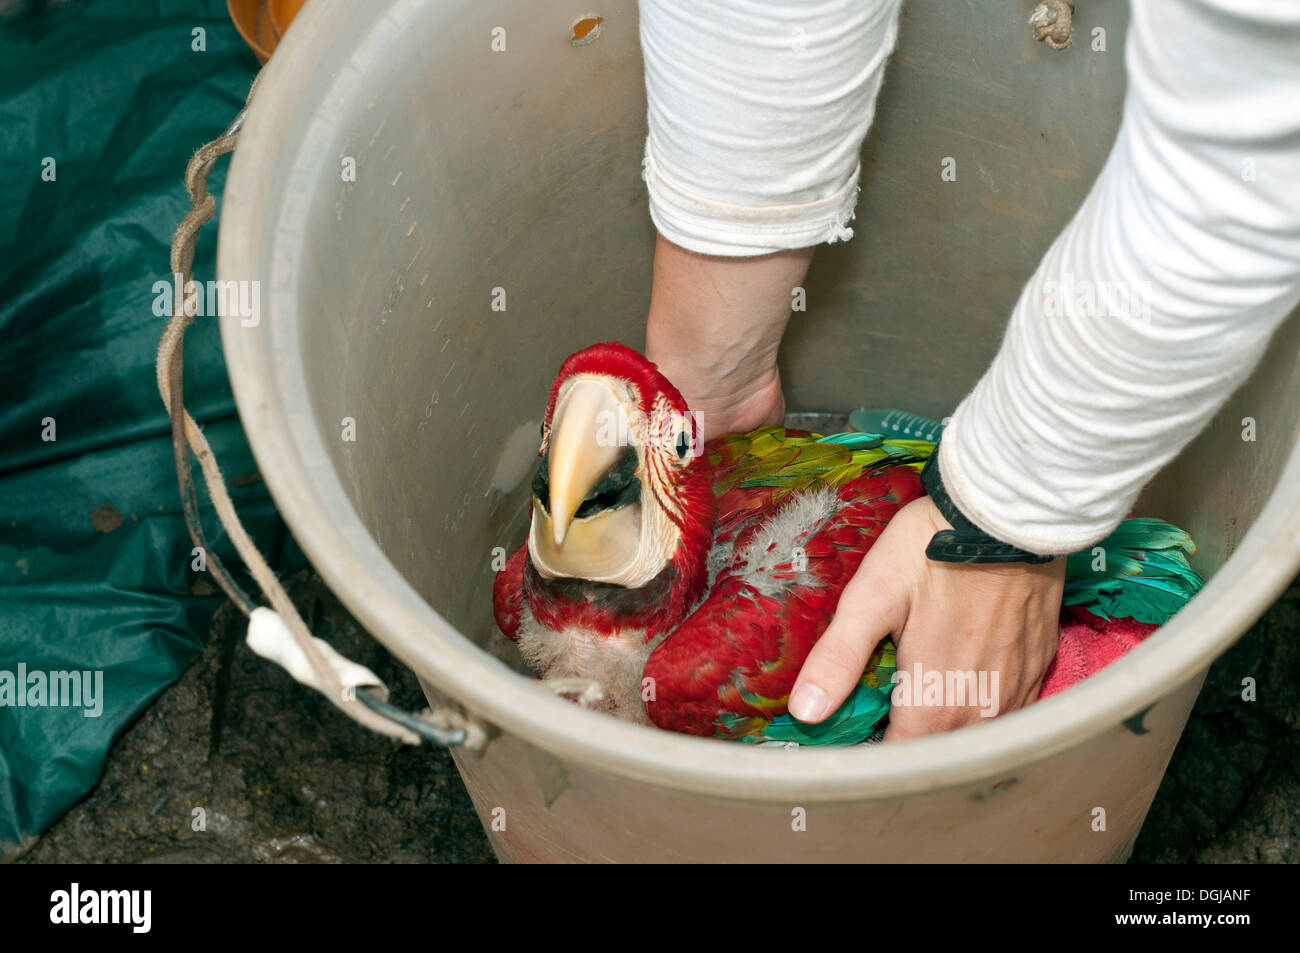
(683, 445)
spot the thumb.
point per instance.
(870, 608)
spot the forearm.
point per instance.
(714, 328)
(1160, 296)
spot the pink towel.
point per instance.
(1088, 644)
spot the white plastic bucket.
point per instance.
(519, 169)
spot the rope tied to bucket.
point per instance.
(278, 633)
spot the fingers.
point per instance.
(870, 608)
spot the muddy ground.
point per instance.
(282, 777)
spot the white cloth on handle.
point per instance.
(1153, 304)
(270, 638)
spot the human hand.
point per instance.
(1000, 621)
(714, 328)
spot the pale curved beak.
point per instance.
(586, 431)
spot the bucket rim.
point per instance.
(274, 404)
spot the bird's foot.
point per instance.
(585, 691)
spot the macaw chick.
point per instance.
(691, 582)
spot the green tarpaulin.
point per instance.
(101, 104)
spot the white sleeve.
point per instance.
(757, 112)
(1160, 296)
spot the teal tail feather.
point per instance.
(896, 424)
(1140, 571)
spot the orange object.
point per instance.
(585, 30)
(262, 22)
(282, 13)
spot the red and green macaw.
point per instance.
(691, 582)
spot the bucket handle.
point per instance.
(277, 633)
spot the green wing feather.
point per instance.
(852, 723)
(773, 457)
(1140, 571)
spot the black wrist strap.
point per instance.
(965, 542)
